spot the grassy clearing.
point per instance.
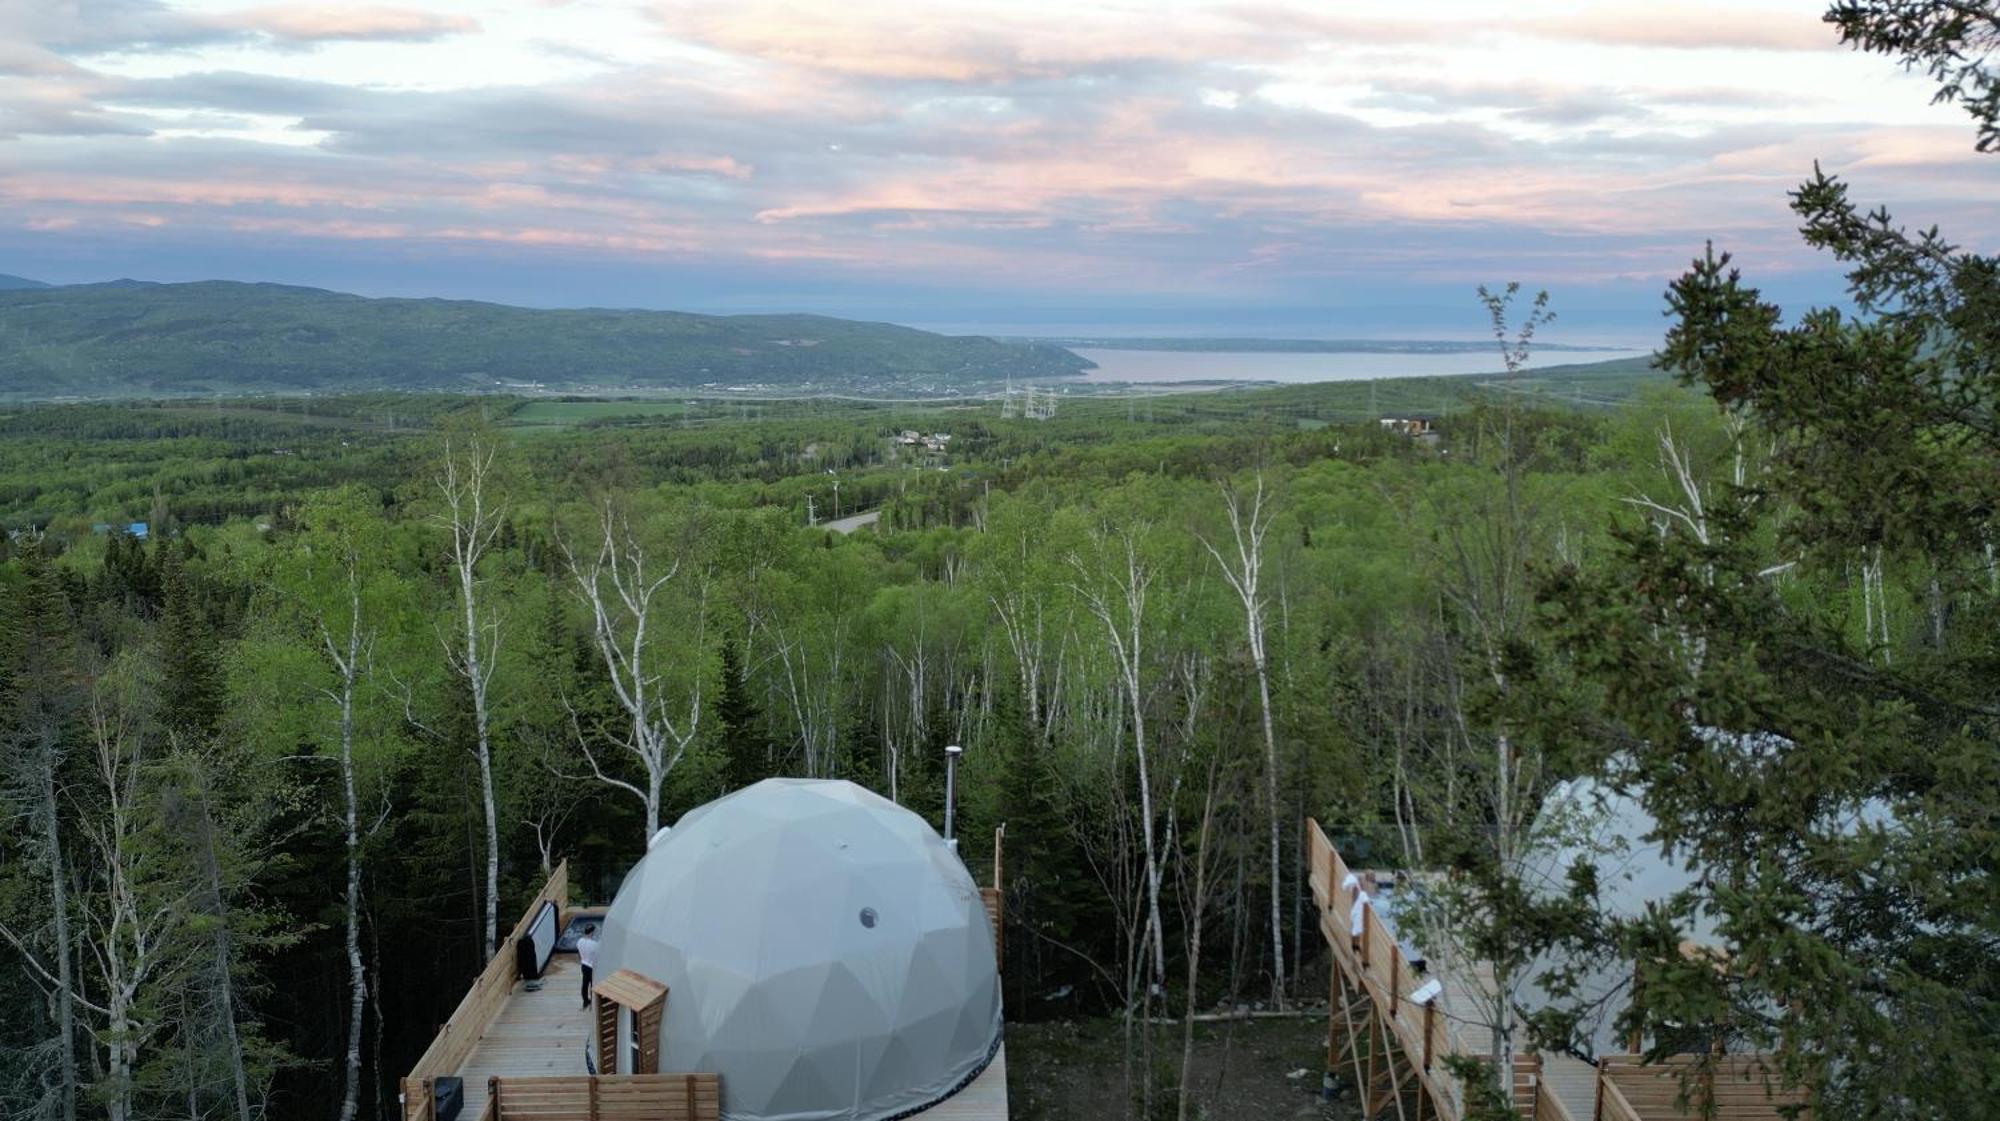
(568, 414)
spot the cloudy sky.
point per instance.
(1254, 166)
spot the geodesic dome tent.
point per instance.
(824, 951)
(1585, 821)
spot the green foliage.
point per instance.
(1951, 40)
(1832, 783)
(191, 689)
(746, 752)
(855, 656)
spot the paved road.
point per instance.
(853, 522)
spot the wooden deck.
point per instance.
(984, 1100)
(534, 1033)
(545, 1033)
(503, 1029)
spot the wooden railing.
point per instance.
(1374, 961)
(1735, 1087)
(608, 1097)
(460, 1034)
(994, 896)
(1547, 1106)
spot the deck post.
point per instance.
(1368, 1104)
(1332, 1021)
(1430, 1016)
(1395, 979)
(999, 839)
(493, 1097)
(1634, 1042)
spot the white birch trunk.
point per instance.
(1243, 577)
(225, 982)
(473, 524)
(59, 902)
(1124, 624)
(347, 655)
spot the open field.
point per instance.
(566, 414)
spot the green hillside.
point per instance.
(125, 339)
(9, 282)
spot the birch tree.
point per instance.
(471, 519)
(1113, 589)
(214, 860)
(1021, 571)
(1244, 571)
(623, 584)
(317, 682)
(1463, 768)
(137, 931)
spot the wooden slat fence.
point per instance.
(460, 1034)
(609, 1097)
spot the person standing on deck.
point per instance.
(586, 955)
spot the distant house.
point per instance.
(909, 436)
(137, 529)
(1417, 428)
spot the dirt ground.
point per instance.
(1063, 1070)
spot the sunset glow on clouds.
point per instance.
(924, 160)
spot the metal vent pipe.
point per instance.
(951, 754)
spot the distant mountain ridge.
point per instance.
(134, 338)
(10, 283)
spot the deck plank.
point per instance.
(536, 1033)
(1572, 1083)
(984, 1099)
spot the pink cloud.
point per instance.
(912, 40)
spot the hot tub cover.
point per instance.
(824, 950)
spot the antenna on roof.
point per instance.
(951, 754)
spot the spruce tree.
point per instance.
(191, 686)
(746, 752)
(1834, 791)
(40, 707)
(1049, 897)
